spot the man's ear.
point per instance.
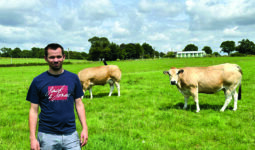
(166, 72)
(45, 58)
(180, 71)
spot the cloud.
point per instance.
(232, 31)
(219, 14)
(19, 5)
(98, 10)
(119, 31)
(160, 7)
(18, 13)
(158, 37)
(164, 24)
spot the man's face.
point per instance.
(55, 59)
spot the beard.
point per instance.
(56, 68)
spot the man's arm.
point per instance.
(33, 116)
(81, 114)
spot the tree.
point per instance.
(207, 50)
(16, 53)
(170, 54)
(139, 50)
(94, 53)
(100, 46)
(227, 46)
(115, 50)
(106, 54)
(102, 42)
(122, 53)
(148, 50)
(26, 54)
(156, 53)
(37, 52)
(75, 55)
(84, 55)
(161, 54)
(6, 52)
(94, 41)
(246, 47)
(130, 50)
(191, 47)
(216, 54)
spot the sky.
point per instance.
(167, 25)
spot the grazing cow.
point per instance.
(193, 80)
(100, 76)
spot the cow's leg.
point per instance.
(194, 92)
(90, 92)
(111, 89)
(228, 97)
(83, 93)
(118, 87)
(111, 83)
(186, 98)
(235, 100)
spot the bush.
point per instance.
(237, 54)
(216, 54)
(170, 55)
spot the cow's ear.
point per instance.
(180, 71)
(166, 72)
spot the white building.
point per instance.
(190, 54)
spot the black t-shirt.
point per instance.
(56, 96)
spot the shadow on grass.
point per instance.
(99, 95)
(192, 107)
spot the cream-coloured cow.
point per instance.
(193, 80)
(100, 76)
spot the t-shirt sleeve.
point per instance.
(32, 94)
(78, 89)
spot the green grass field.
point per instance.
(7, 60)
(147, 115)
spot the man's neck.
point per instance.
(58, 72)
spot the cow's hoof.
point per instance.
(222, 110)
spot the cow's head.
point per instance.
(174, 75)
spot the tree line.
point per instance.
(36, 52)
(102, 48)
(244, 47)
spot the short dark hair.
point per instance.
(53, 46)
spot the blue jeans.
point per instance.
(59, 142)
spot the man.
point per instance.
(56, 91)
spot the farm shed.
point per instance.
(190, 54)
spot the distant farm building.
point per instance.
(190, 54)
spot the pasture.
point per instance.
(7, 60)
(147, 115)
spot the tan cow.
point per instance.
(100, 76)
(193, 80)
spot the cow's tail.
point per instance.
(105, 62)
(240, 87)
(240, 92)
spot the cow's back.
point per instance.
(99, 74)
(93, 72)
(212, 78)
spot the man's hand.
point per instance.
(84, 137)
(35, 144)
(33, 116)
(81, 114)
